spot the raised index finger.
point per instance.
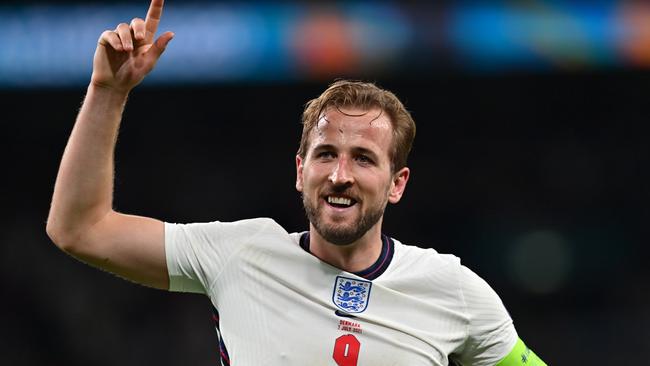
(153, 17)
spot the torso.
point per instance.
(278, 305)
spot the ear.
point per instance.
(298, 173)
(398, 185)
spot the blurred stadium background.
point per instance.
(531, 160)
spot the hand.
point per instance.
(124, 56)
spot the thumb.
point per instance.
(158, 47)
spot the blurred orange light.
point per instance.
(323, 45)
(636, 43)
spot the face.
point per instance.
(346, 178)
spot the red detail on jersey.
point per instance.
(350, 326)
(346, 350)
(224, 356)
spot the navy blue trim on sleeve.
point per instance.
(223, 352)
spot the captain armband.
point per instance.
(521, 356)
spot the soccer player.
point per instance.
(341, 293)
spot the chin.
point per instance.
(339, 235)
(341, 230)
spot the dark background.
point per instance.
(496, 158)
(537, 177)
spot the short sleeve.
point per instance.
(197, 253)
(491, 334)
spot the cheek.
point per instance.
(385, 187)
(309, 177)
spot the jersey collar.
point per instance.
(377, 268)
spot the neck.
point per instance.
(353, 257)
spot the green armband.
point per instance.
(521, 356)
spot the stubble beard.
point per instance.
(340, 234)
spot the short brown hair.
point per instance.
(348, 93)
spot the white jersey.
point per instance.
(280, 305)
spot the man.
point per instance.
(341, 293)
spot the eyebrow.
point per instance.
(320, 147)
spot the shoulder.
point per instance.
(220, 236)
(407, 255)
(242, 227)
(442, 272)
(427, 273)
(246, 223)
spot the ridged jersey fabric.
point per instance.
(280, 305)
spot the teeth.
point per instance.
(339, 200)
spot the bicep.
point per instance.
(129, 246)
(491, 333)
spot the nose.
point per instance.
(341, 174)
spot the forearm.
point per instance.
(83, 192)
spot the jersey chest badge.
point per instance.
(351, 295)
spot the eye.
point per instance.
(325, 155)
(365, 159)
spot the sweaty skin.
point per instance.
(355, 127)
(348, 156)
(375, 121)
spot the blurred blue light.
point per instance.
(52, 45)
(553, 36)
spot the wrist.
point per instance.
(105, 100)
(108, 90)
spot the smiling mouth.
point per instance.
(340, 202)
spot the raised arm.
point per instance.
(82, 221)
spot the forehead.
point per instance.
(353, 126)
